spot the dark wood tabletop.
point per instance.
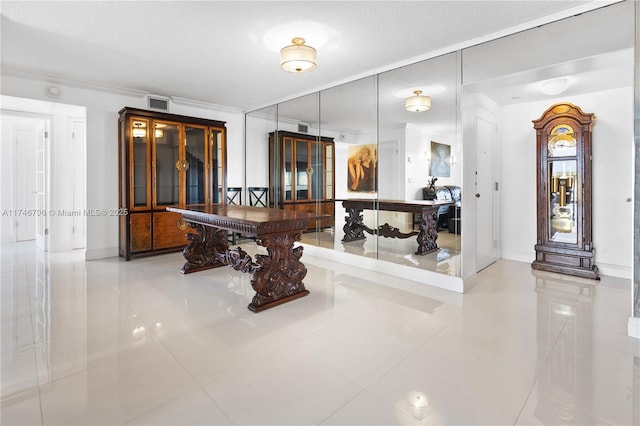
(248, 220)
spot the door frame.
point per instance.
(476, 105)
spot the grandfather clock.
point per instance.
(564, 242)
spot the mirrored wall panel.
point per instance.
(419, 151)
(258, 125)
(383, 156)
(348, 116)
(360, 155)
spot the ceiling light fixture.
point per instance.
(555, 86)
(418, 102)
(298, 57)
(53, 92)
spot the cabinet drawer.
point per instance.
(322, 208)
(328, 209)
(140, 232)
(166, 233)
(307, 207)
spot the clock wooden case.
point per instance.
(564, 235)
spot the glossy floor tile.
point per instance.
(110, 342)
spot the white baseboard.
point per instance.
(93, 254)
(518, 256)
(634, 327)
(611, 270)
(434, 279)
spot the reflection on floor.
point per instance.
(109, 342)
(445, 260)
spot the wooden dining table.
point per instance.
(276, 276)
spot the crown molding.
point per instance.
(69, 81)
(202, 104)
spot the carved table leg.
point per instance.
(278, 278)
(205, 246)
(428, 233)
(354, 226)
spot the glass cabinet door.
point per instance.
(302, 174)
(562, 173)
(288, 142)
(217, 154)
(328, 170)
(196, 165)
(316, 173)
(562, 201)
(167, 162)
(139, 163)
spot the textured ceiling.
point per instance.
(226, 52)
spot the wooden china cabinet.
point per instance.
(564, 195)
(165, 160)
(301, 174)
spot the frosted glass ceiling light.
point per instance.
(298, 57)
(555, 86)
(417, 103)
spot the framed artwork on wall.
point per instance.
(440, 160)
(362, 162)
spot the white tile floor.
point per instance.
(112, 342)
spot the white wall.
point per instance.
(257, 159)
(418, 158)
(102, 106)
(612, 177)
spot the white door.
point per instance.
(25, 137)
(42, 187)
(78, 154)
(485, 192)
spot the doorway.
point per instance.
(43, 191)
(27, 138)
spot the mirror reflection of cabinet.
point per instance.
(165, 160)
(301, 174)
(564, 240)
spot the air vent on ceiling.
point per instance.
(303, 128)
(158, 103)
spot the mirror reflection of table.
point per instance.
(277, 276)
(427, 210)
